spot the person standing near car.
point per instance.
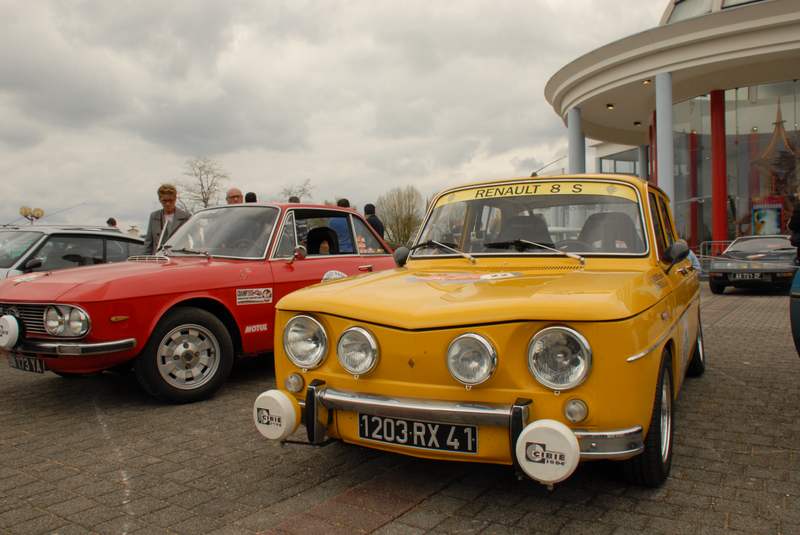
(372, 219)
(342, 229)
(163, 223)
(234, 196)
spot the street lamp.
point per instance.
(31, 214)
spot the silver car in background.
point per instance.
(30, 248)
(754, 262)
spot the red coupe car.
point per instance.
(182, 315)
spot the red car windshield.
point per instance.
(239, 231)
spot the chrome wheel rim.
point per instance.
(188, 357)
(666, 416)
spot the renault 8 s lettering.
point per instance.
(535, 322)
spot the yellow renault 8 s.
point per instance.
(535, 322)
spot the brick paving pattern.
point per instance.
(95, 455)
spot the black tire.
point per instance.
(187, 341)
(651, 467)
(697, 366)
(716, 288)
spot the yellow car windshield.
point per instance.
(585, 217)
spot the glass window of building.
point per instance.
(734, 3)
(687, 9)
(762, 134)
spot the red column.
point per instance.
(693, 189)
(719, 172)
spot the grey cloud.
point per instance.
(526, 165)
(233, 120)
(53, 82)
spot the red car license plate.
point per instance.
(27, 364)
(426, 435)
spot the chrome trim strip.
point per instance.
(418, 409)
(647, 351)
(73, 350)
(613, 444)
(619, 444)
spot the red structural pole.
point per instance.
(719, 173)
(693, 189)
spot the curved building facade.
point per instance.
(710, 100)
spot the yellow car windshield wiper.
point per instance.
(521, 245)
(447, 246)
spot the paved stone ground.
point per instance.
(96, 455)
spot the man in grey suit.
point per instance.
(163, 223)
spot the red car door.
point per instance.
(337, 243)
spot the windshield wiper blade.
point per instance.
(447, 246)
(520, 245)
(189, 251)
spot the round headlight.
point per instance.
(78, 323)
(559, 358)
(305, 342)
(357, 351)
(471, 359)
(54, 321)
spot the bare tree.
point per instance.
(302, 191)
(400, 209)
(205, 183)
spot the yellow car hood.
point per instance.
(410, 298)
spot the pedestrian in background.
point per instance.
(163, 223)
(111, 222)
(250, 197)
(342, 229)
(372, 219)
(294, 198)
(234, 196)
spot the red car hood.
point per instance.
(130, 279)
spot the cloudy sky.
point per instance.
(101, 101)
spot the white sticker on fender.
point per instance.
(333, 275)
(261, 327)
(253, 296)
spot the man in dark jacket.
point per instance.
(163, 223)
(372, 219)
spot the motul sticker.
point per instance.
(253, 296)
(260, 328)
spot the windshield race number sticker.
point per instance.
(564, 187)
(253, 296)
